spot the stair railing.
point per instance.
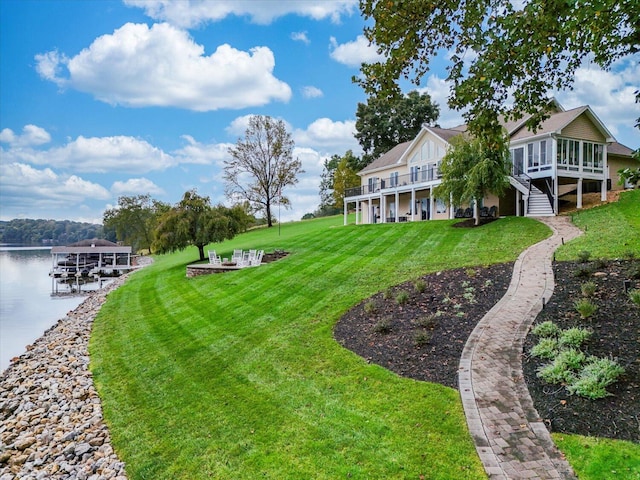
(548, 191)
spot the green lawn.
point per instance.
(237, 375)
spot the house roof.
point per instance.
(446, 133)
(390, 158)
(619, 149)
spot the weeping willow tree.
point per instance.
(470, 171)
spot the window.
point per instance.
(592, 156)
(568, 154)
(414, 173)
(543, 152)
(531, 158)
(373, 184)
(393, 179)
(441, 207)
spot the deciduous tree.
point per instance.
(262, 165)
(344, 177)
(384, 122)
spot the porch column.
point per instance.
(413, 205)
(518, 196)
(369, 213)
(396, 214)
(451, 212)
(383, 209)
(432, 203)
(357, 210)
(605, 174)
(344, 207)
(579, 194)
(555, 194)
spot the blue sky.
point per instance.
(105, 98)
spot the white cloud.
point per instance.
(191, 13)
(32, 135)
(97, 154)
(355, 53)
(311, 92)
(300, 37)
(240, 124)
(439, 89)
(200, 153)
(333, 137)
(26, 190)
(611, 95)
(136, 186)
(138, 66)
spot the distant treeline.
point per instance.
(47, 232)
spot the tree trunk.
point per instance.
(201, 252)
(269, 222)
(476, 212)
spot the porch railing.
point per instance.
(420, 176)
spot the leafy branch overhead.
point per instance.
(497, 49)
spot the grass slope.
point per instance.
(238, 376)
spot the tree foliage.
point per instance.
(384, 122)
(497, 48)
(134, 220)
(25, 231)
(193, 221)
(344, 177)
(330, 195)
(470, 171)
(629, 175)
(261, 165)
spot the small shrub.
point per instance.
(574, 337)
(370, 307)
(585, 308)
(584, 256)
(471, 272)
(563, 368)
(488, 282)
(583, 271)
(383, 325)
(600, 263)
(634, 296)
(428, 321)
(446, 299)
(422, 338)
(460, 314)
(547, 348)
(387, 294)
(402, 297)
(546, 329)
(588, 289)
(470, 297)
(420, 286)
(595, 377)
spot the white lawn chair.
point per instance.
(237, 256)
(258, 259)
(214, 258)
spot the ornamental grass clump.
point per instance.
(546, 329)
(584, 256)
(420, 285)
(574, 337)
(634, 296)
(422, 338)
(585, 308)
(370, 307)
(595, 377)
(402, 297)
(383, 325)
(588, 289)
(428, 321)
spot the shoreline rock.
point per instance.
(51, 423)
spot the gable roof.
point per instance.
(619, 149)
(392, 157)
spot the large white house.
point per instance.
(571, 152)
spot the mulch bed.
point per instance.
(413, 340)
(616, 333)
(420, 342)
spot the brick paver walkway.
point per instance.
(511, 440)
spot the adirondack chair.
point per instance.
(258, 259)
(214, 258)
(237, 256)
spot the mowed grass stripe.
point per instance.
(237, 375)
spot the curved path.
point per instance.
(511, 440)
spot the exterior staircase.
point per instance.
(536, 201)
(538, 204)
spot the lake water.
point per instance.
(27, 306)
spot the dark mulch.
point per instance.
(420, 342)
(401, 349)
(616, 333)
